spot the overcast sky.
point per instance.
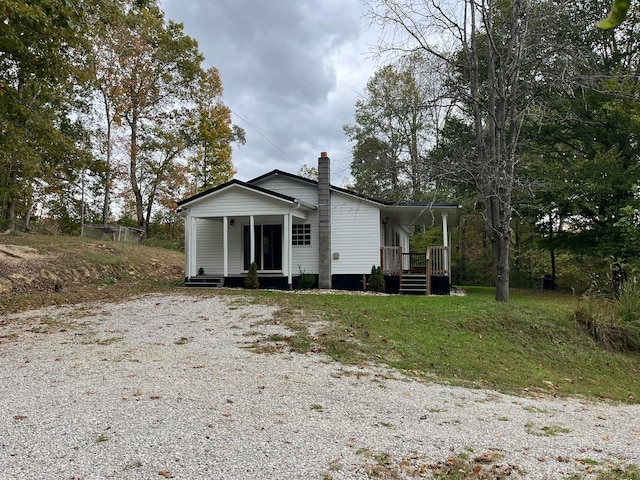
(292, 71)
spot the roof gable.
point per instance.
(234, 184)
(315, 184)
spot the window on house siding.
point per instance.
(301, 234)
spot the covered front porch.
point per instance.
(221, 249)
(424, 272)
(419, 273)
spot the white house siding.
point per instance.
(355, 234)
(237, 201)
(291, 187)
(234, 249)
(305, 257)
(209, 254)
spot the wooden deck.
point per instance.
(417, 270)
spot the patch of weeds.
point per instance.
(610, 472)
(250, 333)
(258, 347)
(462, 466)
(387, 425)
(106, 281)
(103, 341)
(132, 465)
(491, 397)
(545, 431)
(317, 407)
(532, 409)
(481, 467)
(298, 342)
(102, 438)
(182, 341)
(504, 419)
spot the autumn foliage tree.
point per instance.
(87, 88)
(176, 124)
(41, 147)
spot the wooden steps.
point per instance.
(204, 281)
(413, 284)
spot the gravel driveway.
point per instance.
(164, 387)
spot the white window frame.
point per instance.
(301, 234)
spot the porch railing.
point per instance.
(435, 261)
(439, 261)
(391, 260)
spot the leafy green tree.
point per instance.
(41, 149)
(212, 133)
(391, 133)
(150, 77)
(582, 159)
(495, 52)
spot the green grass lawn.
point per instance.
(530, 344)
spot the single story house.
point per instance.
(289, 225)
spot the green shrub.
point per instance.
(252, 280)
(376, 280)
(615, 323)
(306, 280)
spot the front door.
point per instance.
(268, 247)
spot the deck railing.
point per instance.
(391, 260)
(435, 261)
(439, 261)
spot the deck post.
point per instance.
(445, 238)
(428, 270)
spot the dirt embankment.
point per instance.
(35, 265)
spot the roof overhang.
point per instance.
(429, 215)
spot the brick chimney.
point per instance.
(324, 221)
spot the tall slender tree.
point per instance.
(493, 50)
(150, 79)
(394, 126)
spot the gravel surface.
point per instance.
(164, 387)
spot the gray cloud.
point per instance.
(292, 71)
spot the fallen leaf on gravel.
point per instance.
(19, 417)
(155, 397)
(199, 366)
(542, 459)
(165, 474)
(562, 459)
(606, 438)
(484, 458)
(137, 393)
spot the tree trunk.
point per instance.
(107, 175)
(133, 169)
(501, 259)
(27, 217)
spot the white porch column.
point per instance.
(445, 240)
(225, 246)
(287, 254)
(193, 232)
(445, 230)
(252, 243)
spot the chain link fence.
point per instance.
(114, 233)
